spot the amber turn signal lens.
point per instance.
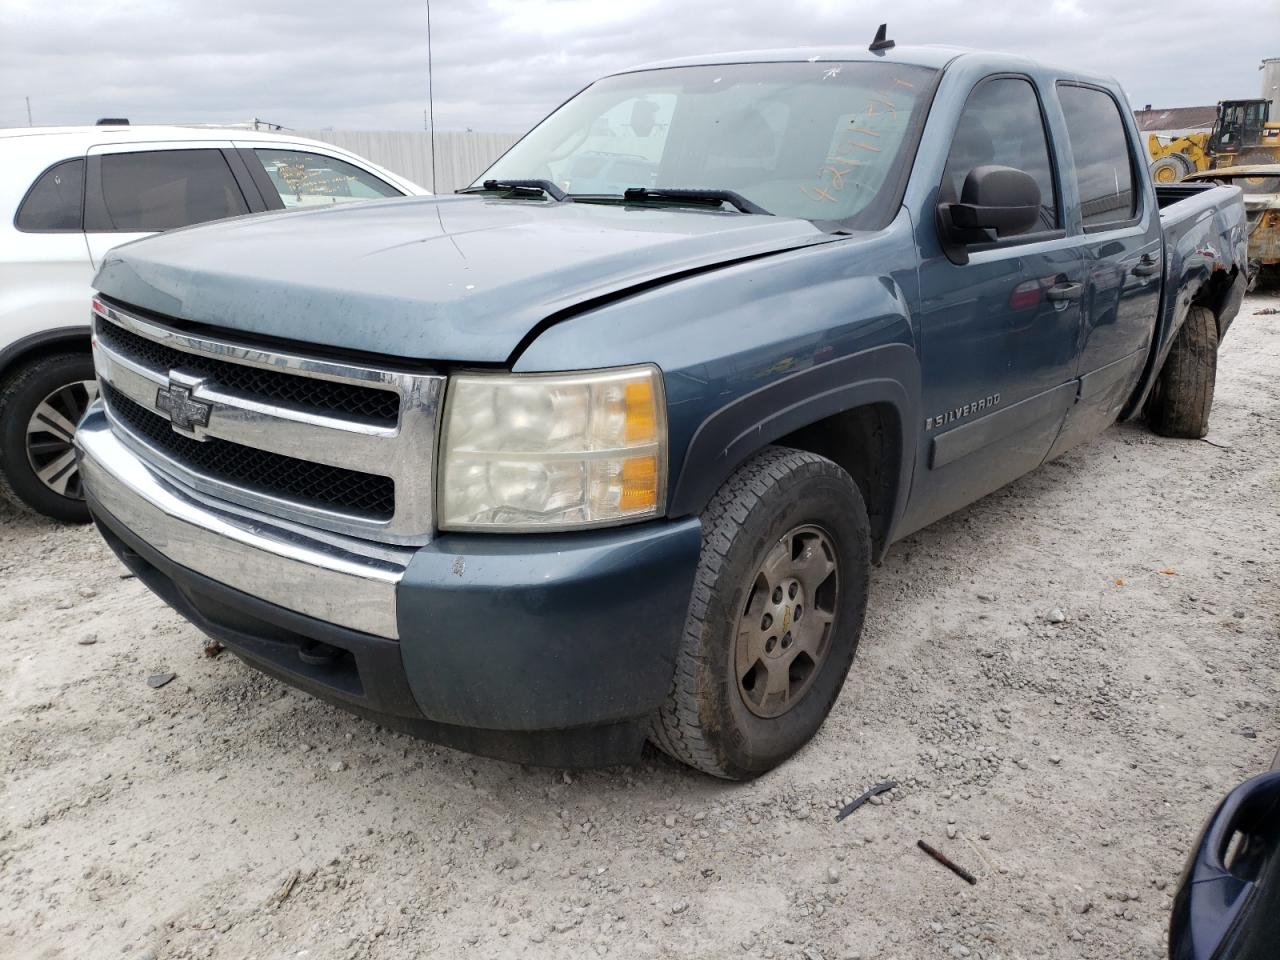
(639, 484)
(642, 415)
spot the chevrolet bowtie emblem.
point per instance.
(184, 411)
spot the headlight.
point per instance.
(553, 451)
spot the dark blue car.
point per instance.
(1227, 906)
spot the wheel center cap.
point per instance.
(784, 631)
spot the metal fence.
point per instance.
(460, 156)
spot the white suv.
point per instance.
(70, 194)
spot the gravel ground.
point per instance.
(1063, 678)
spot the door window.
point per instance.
(1002, 124)
(1103, 161)
(55, 201)
(309, 179)
(162, 189)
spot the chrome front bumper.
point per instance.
(340, 580)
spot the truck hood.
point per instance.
(460, 278)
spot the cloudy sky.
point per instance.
(502, 64)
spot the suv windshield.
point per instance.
(820, 140)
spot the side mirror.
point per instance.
(995, 202)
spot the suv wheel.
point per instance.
(39, 409)
(775, 616)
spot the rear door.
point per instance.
(999, 334)
(135, 190)
(44, 263)
(1123, 248)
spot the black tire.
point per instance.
(20, 396)
(706, 721)
(1182, 398)
(1171, 168)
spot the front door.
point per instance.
(999, 334)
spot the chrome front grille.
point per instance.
(360, 493)
(319, 396)
(341, 447)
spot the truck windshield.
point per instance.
(819, 141)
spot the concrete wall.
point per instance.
(460, 156)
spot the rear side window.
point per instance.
(164, 189)
(55, 201)
(1103, 161)
(309, 179)
(1002, 124)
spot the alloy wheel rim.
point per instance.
(785, 629)
(51, 435)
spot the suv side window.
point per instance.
(1103, 161)
(155, 190)
(309, 179)
(1002, 123)
(55, 202)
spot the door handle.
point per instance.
(1147, 266)
(1065, 291)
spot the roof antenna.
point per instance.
(431, 103)
(880, 43)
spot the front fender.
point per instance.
(884, 375)
(754, 351)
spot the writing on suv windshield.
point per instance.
(817, 140)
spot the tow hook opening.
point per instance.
(318, 653)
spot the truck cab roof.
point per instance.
(933, 56)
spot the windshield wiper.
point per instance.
(707, 196)
(518, 186)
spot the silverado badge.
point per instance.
(959, 413)
(185, 412)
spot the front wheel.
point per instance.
(40, 406)
(775, 616)
(1171, 168)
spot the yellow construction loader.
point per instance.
(1171, 160)
(1241, 133)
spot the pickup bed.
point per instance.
(602, 448)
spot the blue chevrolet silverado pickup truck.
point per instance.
(603, 447)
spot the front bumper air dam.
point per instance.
(527, 632)
(550, 649)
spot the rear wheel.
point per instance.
(1180, 402)
(775, 616)
(39, 409)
